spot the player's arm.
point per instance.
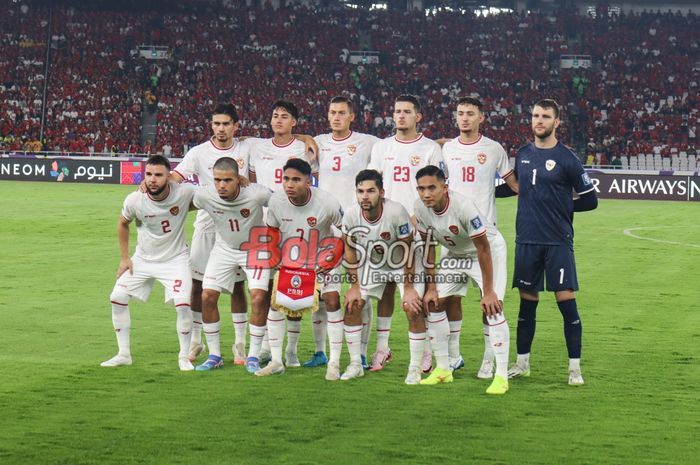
(310, 145)
(353, 297)
(252, 176)
(123, 236)
(509, 188)
(430, 299)
(586, 202)
(411, 301)
(490, 304)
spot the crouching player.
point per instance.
(161, 254)
(378, 255)
(235, 210)
(475, 250)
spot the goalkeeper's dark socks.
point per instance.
(526, 325)
(572, 327)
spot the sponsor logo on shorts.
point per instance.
(311, 221)
(175, 210)
(245, 212)
(481, 158)
(454, 229)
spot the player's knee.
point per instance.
(119, 298)
(257, 298)
(332, 301)
(196, 287)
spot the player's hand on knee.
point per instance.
(124, 265)
(430, 300)
(490, 304)
(353, 300)
(411, 302)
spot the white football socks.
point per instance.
(275, 332)
(453, 340)
(488, 349)
(121, 321)
(499, 335)
(211, 333)
(257, 333)
(439, 332)
(383, 331)
(335, 335)
(367, 314)
(416, 344)
(318, 325)
(196, 327)
(184, 328)
(240, 326)
(353, 338)
(293, 333)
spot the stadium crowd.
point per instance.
(640, 96)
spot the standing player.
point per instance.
(199, 161)
(235, 210)
(398, 159)
(161, 254)
(301, 212)
(342, 154)
(547, 173)
(267, 160)
(474, 161)
(378, 240)
(455, 222)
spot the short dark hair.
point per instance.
(370, 175)
(549, 103)
(411, 99)
(299, 165)
(226, 109)
(431, 170)
(226, 164)
(158, 160)
(288, 106)
(343, 99)
(471, 101)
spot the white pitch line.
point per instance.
(628, 232)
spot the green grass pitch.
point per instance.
(639, 303)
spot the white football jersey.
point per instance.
(400, 161)
(473, 168)
(393, 224)
(234, 219)
(320, 213)
(455, 226)
(160, 224)
(268, 158)
(339, 162)
(199, 161)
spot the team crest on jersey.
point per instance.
(481, 158)
(385, 235)
(241, 164)
(245, 213)
(175, 210)
(311, 221)
(295, 281)
(550, 164)
(454, 229)
(352, 149)
(415, 159)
